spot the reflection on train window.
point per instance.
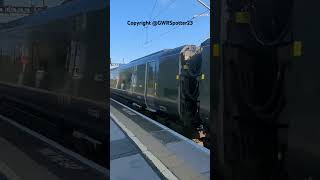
(134, 78)
(84, 21)
(125, 79)
(75, 58)
(4, 54)
(80, 23)
(15, 55)
(113, 78)
(167, 83)
(119, 80)
(151, 81)
(140, 79)
(35, 55)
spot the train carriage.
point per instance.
(167, 83)
(53, 70)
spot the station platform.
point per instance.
(26, 155)
(127, 161)
(174, 156)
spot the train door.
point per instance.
(151, 84)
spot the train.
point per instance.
(172, 83)
(53, 75)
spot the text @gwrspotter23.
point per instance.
(160, 23)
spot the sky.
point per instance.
(132, 42)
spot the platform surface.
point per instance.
(25, 157)
(181, 156)
(127, 161)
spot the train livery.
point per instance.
(53, 69)
(171, 82)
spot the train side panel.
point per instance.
(57, 72)
(151, 83)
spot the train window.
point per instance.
(3, 55)
(22, 54)
(80, 23)
(151, 79)
(35, 55)
(76, 24)
(14, 55)
(134, 78)
(119, 80)
(113, 78)
(125, 79)
(167, 80)
(75, 58)
(84, 22)
(68, 57)
(140, 79)
(128, 79)
(71, 56)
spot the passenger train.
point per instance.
(53, 71)
(172, 83)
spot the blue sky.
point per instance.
(131, 42)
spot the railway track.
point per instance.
(43, 152)
(51, 131)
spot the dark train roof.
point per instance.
(155, 56)
(206, 42)
(67, 9)
(164, 52)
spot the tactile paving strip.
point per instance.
(165, 137)
(146, 125)
(123, 147)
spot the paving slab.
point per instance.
(182, 157)
(127, 160)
